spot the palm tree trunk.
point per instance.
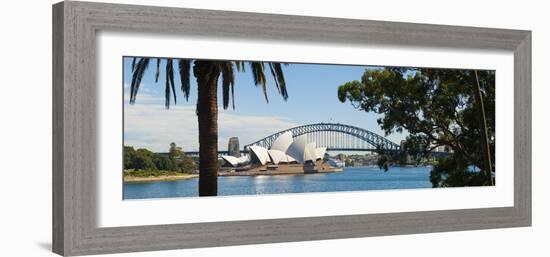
(207, 74)
(484, 135)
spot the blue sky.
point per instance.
(312, 90)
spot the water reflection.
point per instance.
(351, 179)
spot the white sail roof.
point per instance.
(235, 161)
(261, 153)
(289, 159)
(320, 152)
(286, 150)
(244, 159)
(231, 159)
(282, 142)
(311, 154)
(277, 156)
(297, 150)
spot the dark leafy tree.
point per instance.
(438, 107)
(179, 159)
(129, 155)
(455, 171)
(164, 163)
(143, 160)
(174, 151)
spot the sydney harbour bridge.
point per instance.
(334, 136)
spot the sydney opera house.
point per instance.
(286, 155)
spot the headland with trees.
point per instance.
(143, 165)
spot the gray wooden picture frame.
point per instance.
(75, 25)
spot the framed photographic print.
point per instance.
(183, 128)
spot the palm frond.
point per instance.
(173, 85)
(184, 66)
(274, 77)
(240, 66)
(279, 77)
(259, 76)
(133, 64)
(137, 76)
(167, 88)
(169, 83)
(233, 95)
(158, 71)
(228, 83)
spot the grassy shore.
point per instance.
(155, 175)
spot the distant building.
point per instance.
(233, 147)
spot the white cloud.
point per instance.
(144, 96)
(154, 127)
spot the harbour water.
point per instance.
(350, 179)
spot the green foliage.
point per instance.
(454, 171)
(186, 164)
(144, 160)
(128, 155)
(151, 173)
(164, 163)
(436, 106)
(174, 151)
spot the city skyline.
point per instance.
(312, 90)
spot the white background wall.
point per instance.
(25, 130)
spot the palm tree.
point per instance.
(207, 74)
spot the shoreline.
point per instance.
(132, 179)
(273, 173)
(252, 173)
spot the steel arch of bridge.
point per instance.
(375, 140)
